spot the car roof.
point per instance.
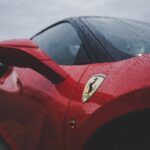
(78, 19)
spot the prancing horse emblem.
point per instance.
(92, 85)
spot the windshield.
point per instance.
(122, 38)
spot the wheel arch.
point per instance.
(120, 107)
(121, 130)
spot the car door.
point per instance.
(33, 114)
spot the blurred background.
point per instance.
(24, 18)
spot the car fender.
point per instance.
(124, 90)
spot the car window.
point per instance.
(62, 44)
(121, 37)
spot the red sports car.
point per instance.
(80, 84)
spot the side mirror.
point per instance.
(24, 53)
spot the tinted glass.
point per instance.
(122, 38)
(62, 44)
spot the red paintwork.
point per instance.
(14, 53)
(35, 112)
(24, 45)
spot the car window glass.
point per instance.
(121, 37)
(62, 44)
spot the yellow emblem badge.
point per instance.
(92, 85)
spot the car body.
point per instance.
(84, 96)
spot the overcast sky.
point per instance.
(23, 18)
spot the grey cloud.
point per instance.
(23, 18)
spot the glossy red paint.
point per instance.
(30, 56)
(25, 46)
(125, 89)
(36, 112)
(33, 110)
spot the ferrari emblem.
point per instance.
(92, 85)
